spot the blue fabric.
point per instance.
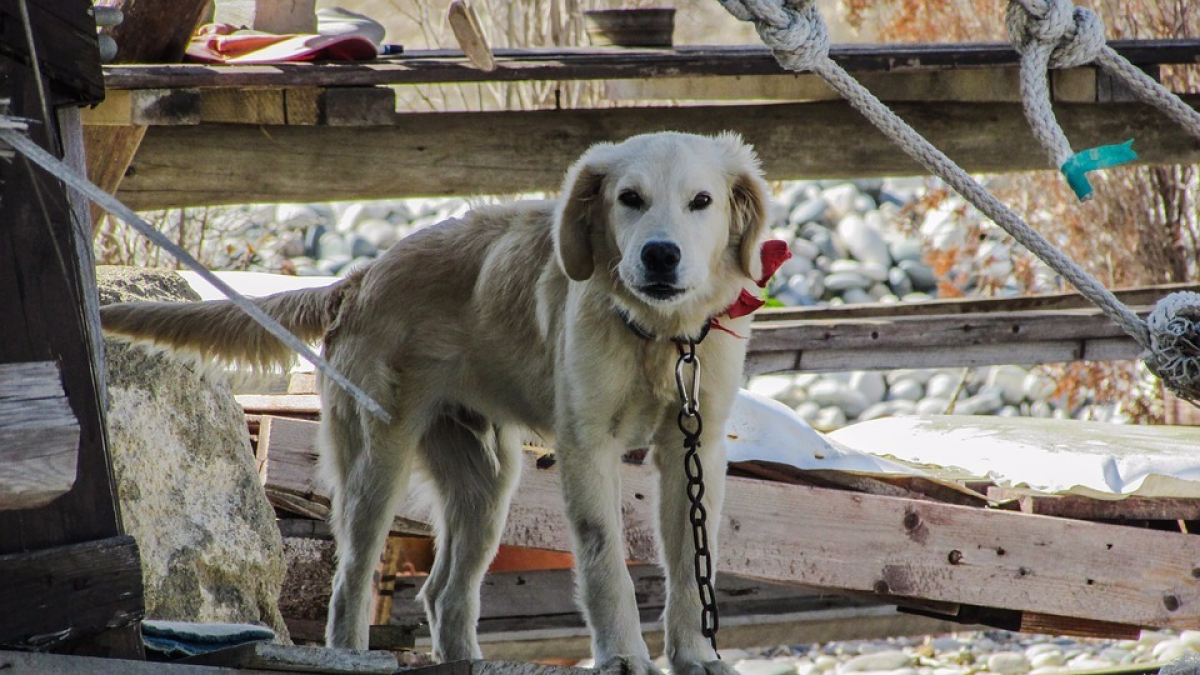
(181, 639)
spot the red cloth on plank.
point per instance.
(224, 43)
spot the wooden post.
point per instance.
(49, 291)
(154, 31)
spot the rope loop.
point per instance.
(1174, 353)
(793, 29)
(1073, 35)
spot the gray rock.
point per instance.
(932, 406)
(906, 390)
(843, 281)
(332, 244)
(942, 385)
(986, 402)
(921, 275)
(856, 296)
(1009, 381)
(186, 478)
(808, 211)
(291, 245)
(841, 199)
(796, 266)
(837, 394)
(870, 384)
(803, 248)
(379, 232)
(331, 266)
(808, 411)
(822, 238)
(880, 291)
(864, 204)
(916, 297)
(298, 216)
(904, 248)
(864, 241)
(899, 282)
(829, 419)
(361, 247)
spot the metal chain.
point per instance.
(691, 425)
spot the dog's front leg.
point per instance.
(689, 652)
(592, 492)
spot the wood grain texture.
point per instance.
(426, 67)
(65, 593)
(490, 153)
(39, 436)
(898, 548)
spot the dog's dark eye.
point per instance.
(631, 199)
(700, 202)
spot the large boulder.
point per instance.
(186, 477)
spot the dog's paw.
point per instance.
(629, 665)
(702, 668)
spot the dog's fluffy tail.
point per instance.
(218, 331)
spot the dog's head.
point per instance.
(674, 220)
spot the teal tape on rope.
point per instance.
(1076, 168)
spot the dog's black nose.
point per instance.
(660, 257)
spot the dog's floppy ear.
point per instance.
(747, 202)
(578, 213)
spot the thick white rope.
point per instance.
(1057, 34)
(74, 180)
(780, 25)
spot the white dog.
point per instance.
(556, 317)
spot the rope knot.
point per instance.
(1074, 35)
(793, 29)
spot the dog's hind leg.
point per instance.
(475, 467)
(368, 465)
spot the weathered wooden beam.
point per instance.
(47, 280)
(153, 31)
(1077, 85)
(1133, 297)
(39, 436)
(507, 152)
(59, 595)
(921, 341)
(427, 67)
(900, 548)
(1130, 508)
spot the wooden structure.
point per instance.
(70, 581)
(245, 134)
(966, 551)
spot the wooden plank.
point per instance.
(148, 106)
(426, 67)
(936, 331)
(291, 481)
(277, 405)
(39, 436)
(905, 548)
(521, 643)
(64, 34)
(1077, 85)
(1134, 297)
(973, 356)
(62, 594)
(489, 152)
(151, 32)
(1085, 508)
(50, 314)
(358, 106)
(388, 638)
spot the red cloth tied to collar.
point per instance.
(774, 253)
